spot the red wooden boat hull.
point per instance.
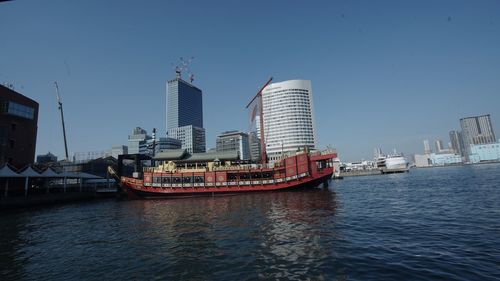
(297, 172)
(135, 191)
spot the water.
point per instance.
(429, 224)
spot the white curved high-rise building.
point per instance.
(288, 117)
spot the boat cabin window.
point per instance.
(267, 175)
(321, 165)
(256, 175)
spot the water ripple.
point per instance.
(430, 224)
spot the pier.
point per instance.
(372, 172)
(30, 187)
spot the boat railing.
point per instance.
(201, 170)
(328, 151)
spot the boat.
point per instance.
(336, 169)
(168, 179)
(181, 174)
(395, 162)
(392, 163)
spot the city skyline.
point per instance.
(375, 83)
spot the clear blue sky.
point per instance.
(384, 73)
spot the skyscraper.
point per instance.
(439, 146)
(288, 117)
(427, 148)
(185, 114)
(477, 130)
(184, 104)
(456, 142)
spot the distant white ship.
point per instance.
(395, 162)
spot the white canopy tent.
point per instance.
(7, 172)
(49, 173)
(29, 173)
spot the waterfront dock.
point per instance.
(29, 187)
(394, 171)
(372, 172)
(358, 173)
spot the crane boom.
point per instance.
(59, 102)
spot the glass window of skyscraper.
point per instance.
(184, 104)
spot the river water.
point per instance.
(429, 224)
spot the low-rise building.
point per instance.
(192, 138)
(18, 128)
(485, 152)
(444, 159)
(138, 137)
(46, 158)
(118, 150)
(160, 145)
(422, 160)
(234, 141)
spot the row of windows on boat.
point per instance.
(200, 179)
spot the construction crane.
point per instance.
(184, 67)
(59, 102)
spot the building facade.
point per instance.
(160, 145)
(46, 158)
(477, 130)
(457, 143)
(422, 160)
(185, 115)
(192, 138)
(485, 152)
(118, 150)
(444, 159)
(427, 148)
(137, 139)
(288, 117)
(18, 128)
(254, 144)
(234, 141)
(439, 146)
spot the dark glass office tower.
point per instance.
(185, 115)
(184, 104)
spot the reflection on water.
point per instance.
(275, 234)
(249, 236)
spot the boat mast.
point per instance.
(59, 102)
(263, 155)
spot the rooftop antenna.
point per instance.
(177, 72)
(59, 102)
